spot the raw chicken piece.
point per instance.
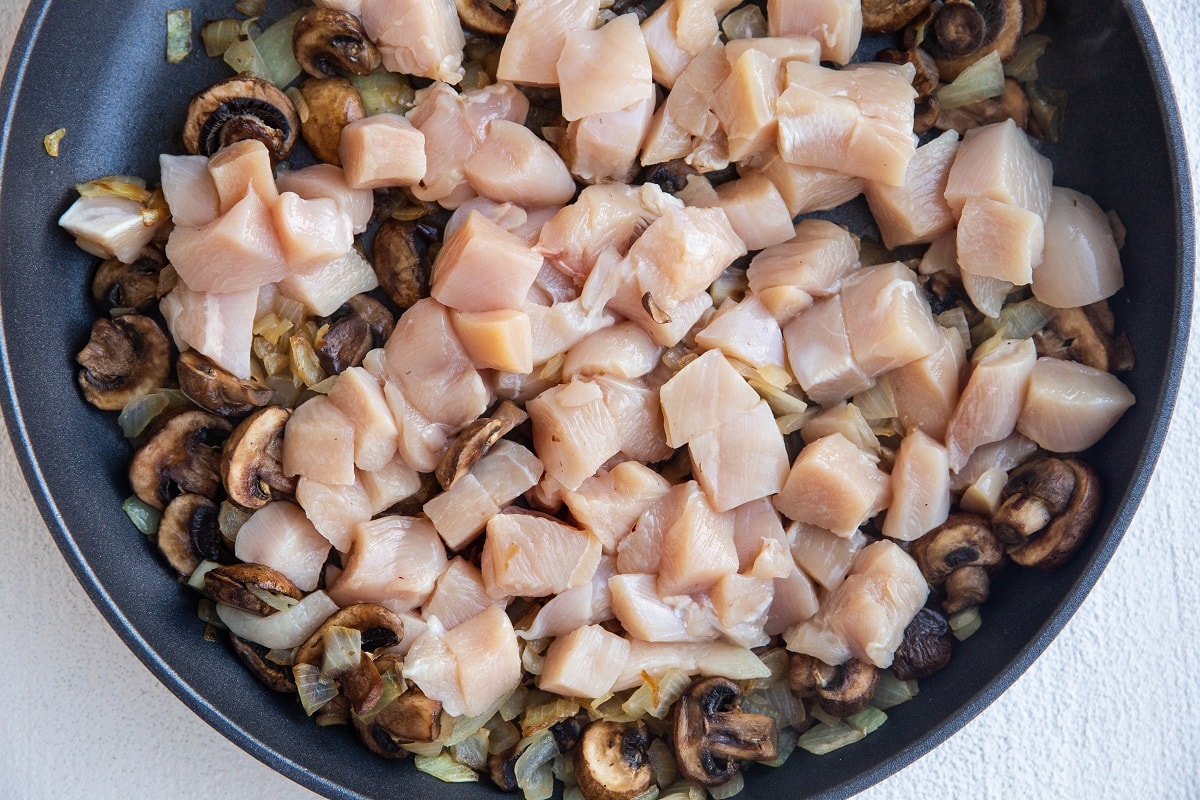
(530, 555)
(421, 440)
(574, 432)
(834, 485)
(866, 615)
(501, 339)
(682, 252)
(926, 390)
(696, 22)
(920, 488)
(327, 180)
(637, 416)
(189, 190)
(1080, 263)
(836, 24)
(483, 267)
(640, 550)
(705, 394)
(756, 211)
(604, 147)
(1070, 406)
(458, 594)
(745, 103)
(689, 103)
(703, 658)
(512, 165)
(311, 232)
(781, 49)
(740, 604)
(358, 395)
(489, 661)
(538, 34)
(610, 503)
(434, 669)
(507, 472)
(999, 162)
(279, 536)
(666, 332)
(318, 443)
(622, 351)
(394, 559)
(582, 605)
(326, 288)
(846, 419)
(743, 459)
(110, 227)
(240, 168)
(804, 189)
(461, 512)
(334, 509)
(647, 617)
(991, 402)
(818, 352)
(221, 326)
(667, 58)
(857, 120)
(665, 139)
(382, 150)
(697, 542)
(746, 331)
(916, 211)
(794, 601)
(887, 318)
(416, 37)
(239, 250)
(1003, 455)
(824, 555)
(789, 276)
(999, 241)
(604, 69)
(755, 524)
(388, 485)
(557, 328)
(584, 663)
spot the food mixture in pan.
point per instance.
(534, 419)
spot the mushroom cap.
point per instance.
(328, 42)
(217, 390)
(231, 585)
(412, 717)
(964, 31)
(966, 587)
(963, 540)
(180, 455)
(401, 260)
(889, 16)
(613, 762)
(332, 103)
(345, 343)
(467, 448)
(850, 690)
(1060, 539)
(134, 285)
(1036, 492)
(1085, 335)
(124, 358)
(713, 735)
(276, 677)
(252, 461)
(188, 533)
(926, 647)
(237, 108)
(379, 626)
(483, 17)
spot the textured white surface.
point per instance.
(1109, 711)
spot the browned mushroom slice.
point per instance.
(243, 586)
(253, 656)
(133, 285)
(966, 587)
(1051, 546)
(124, 358)
(331, 104)
(216, 390)
(926, 647)
(484, 17)
(889, 16)
(380, 628)
(501, 768)
(1086, 335)
(613, 762)
(238, 108)
(328, 42)
(188, 533)
(466, 449)
(378, 318)
(400, 257)
(252, 461)
(1035, 13)
(345, 343)
(670, 176)
(964, 541)
(964, 31)
(713, 735)
(181, 455)
(839, 690)
(407, 719)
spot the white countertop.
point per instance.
(1109, 711)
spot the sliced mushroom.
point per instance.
(501, 768)
(613, 762)
(963, 541)
(252, 461)
(181, 455)
(713, 735)
(188, 533)
(344, 343)
(839, 690)
(238, 108)
(670, 176)
(1012, 104)
(964, 31)
(410, 718)
(483, 17)
(133, 285)
(1065, 523)
(378, 318)
(253, 656)
(401, 259)
(331, 104)
(216, 390)
(889, 16)
(380, 629)
(926, 647)
(328, 42)
(966, 587)
(1086, 335)
(1035, 14)
(466, 449)
(241, 586)
(124, 358)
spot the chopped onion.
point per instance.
(1023, 64)
(445, 768)
(662, 762)
(656, 695)
(563, 769)
(275, 49)
(279, 602)
(179, 34)
(144, 517)
(139, 412)
(785, 746)
(573, 793)
(282, 629)
(466, 727)
(129, 187)
(731, 284)
(514, 704)
(243, 56)
(196, 579)
(747, 22)
(473, 750)
(729, 788)
(532, 769)
(821, 715)
(876, 403)
(384, 92)
(956, 320)
(822, 739)
(250, 8)
(502, 735)
(305, 364)
(965, 623)
(684, 790)
(1024, 319)
(219, 34)
(982, 80)
(51, 141)
(343, 650)
(544, 715)
(891, 691)
(314, 690)
(1047, 106)
(868, 720)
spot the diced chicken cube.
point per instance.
(501, 339)
(745, 103)
(823, 555)
(512, 165)
(221, 326)
(583, 605)
(604, 69)
(529, 555)
(1080, 263)
(637, 416)
(916, 211)
(110, 227)
(416, 37)
(279, 536)
(329, 181)
(382, 150)
(240, 168)
(538, 34)
(746, 331)
(604, 147)
(189, 190)
(756, 211)
(507, 472)
(689, 104)
(483, 267)
(991, 402)
(388, 485)
(318, 443)
(920, 488)
(392, 559)
(584, 663)
(666, 140)
(794, 600)
(682, 252)
(667, 58)
(999, 240)
(926, 390)
(818, 352)
(623, 351)
(1005, 454)
(743, 459)
(326, 288)
(754, 524)
(999, 162)
(311, 232)
(789, 276)
(805, 189)
(433, 668)
(705, 394)
(1070, 406)
(697, 542)
(647, 617)
(458, 594)
(887, 317)
(574, 432)
(238, 250)
(358, 395)
(780, 48)
(489, 660)
(421, 440)
(665, 332)
(836, 24)
(461, 512)
(834, 485)
(741, 604)
(696, 23)
(334, 510)
(610, 503)
(846, 419)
